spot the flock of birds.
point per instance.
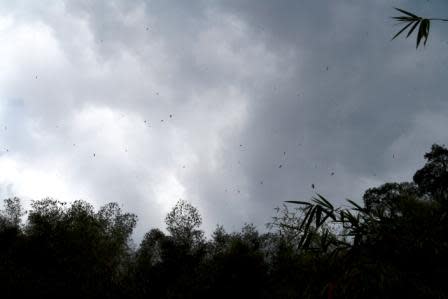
(94, 154)
(313, 186)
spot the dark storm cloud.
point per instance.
(233, 105)
(348, 96)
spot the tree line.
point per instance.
(393, 245)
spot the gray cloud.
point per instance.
(233, 105)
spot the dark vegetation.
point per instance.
(394, 245)
(410, 22)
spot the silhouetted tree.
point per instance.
(397, 242)
(68, 250)
(432, 179)
(183, 223)
(393, 245)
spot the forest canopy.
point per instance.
(392, 245)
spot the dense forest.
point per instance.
(393, 245)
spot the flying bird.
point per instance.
(312, 186)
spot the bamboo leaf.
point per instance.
(328, 204)
(318, 202)
(401, 31)
(357, 207)
(421, 32)
(310, 219)
(305, 219)
(404, 19)
(406, 12)
(318, 216)
(427, 32)
(298, 202)
(325, 218)
(306, 230)
(412, 29)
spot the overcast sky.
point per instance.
(232, 105)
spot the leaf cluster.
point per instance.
(412, 21)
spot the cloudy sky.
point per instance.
(233, 105)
